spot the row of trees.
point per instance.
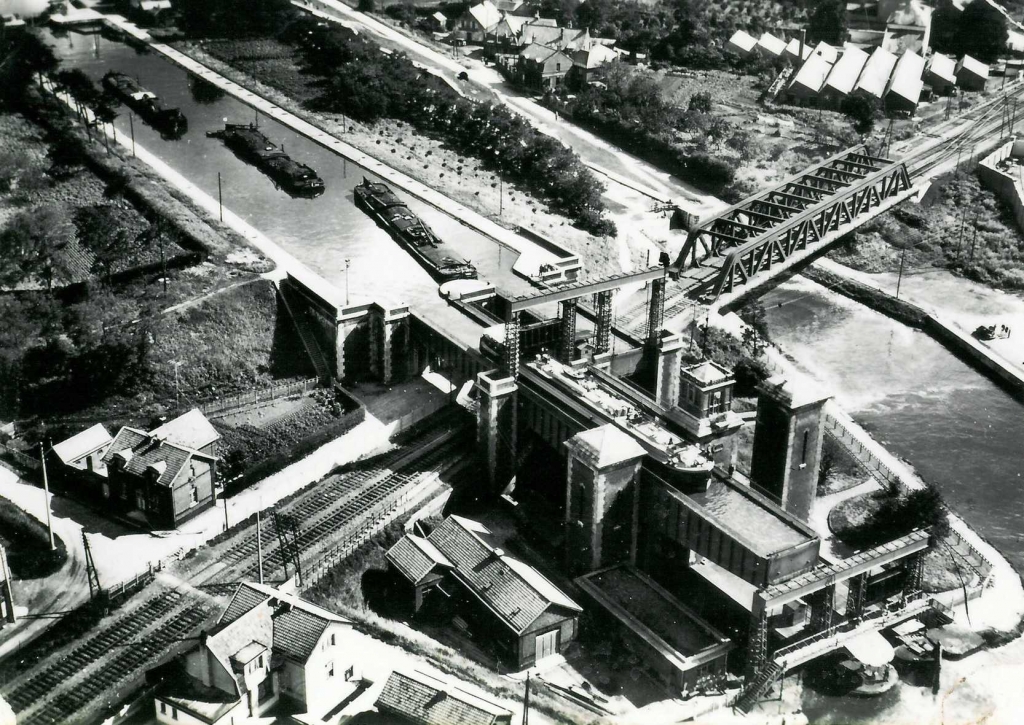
(979, 30)
(364, 83)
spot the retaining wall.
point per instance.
(1007, 186)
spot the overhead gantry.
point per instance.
(816, 205)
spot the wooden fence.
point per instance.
(231, 403)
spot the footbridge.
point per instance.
(800, 217)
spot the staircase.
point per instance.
(777, 85)
(316, 355)
(759, 685)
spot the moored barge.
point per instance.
(409, 230)
(170, 122)
(247, 141)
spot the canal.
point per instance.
(958, 429)
(322, 233)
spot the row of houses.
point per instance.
(159, 478)
(897, 82)
(532, 51)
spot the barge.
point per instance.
(294, 178)
(410, 231)
(170, 122)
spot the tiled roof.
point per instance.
(427, 700)
(535, 51)
(503, 586)
(875, 76)
(415, 557)
(560, 38)
(595, 57)
(80, 445)
(709, 371)
(245, 600)
(230, 638)
(190, 429)
(143, 452)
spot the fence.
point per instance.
(19, 458)
(415, 416)
(255, 397)
(862, 453)
(120, 591)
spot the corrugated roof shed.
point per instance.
(79, 446)
(771, 45)
(877, 71)
(741, 42)
(426, 700)
(793, 50)
(517, 593)
(973, 66)
(415, 558)
(942, 67)
(846, 71)
(906, 77)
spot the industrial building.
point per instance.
(843, 76)
(904, 90)
(971, 74)
(940, 73)
(876, 73)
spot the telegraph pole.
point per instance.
(46, 494)
(131, 124)
(220, 197)
(899, 279)
(348, 263)
(259, 540)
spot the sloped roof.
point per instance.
(709, 371)
(742, 40)
(597, 56)
(942, 66)
(553, 37)
(516, 598)
(846, 71)
(82, 444)
(606, 445)
(486, 14)
(256, 625)
(771, 44)
(415, 557)
(142, 452)
(536, 51)
(190, 429)
(793, 49)
(426, 700)
(906, 77)
(971, 65)
(826, 51)
(875, 76)
(439, 16)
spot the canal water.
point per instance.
(321, 232)
(955, 427)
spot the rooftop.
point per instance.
(143, 452)
(795, 390)
(875, 76)
(708, 372)
(743, 40)
(190, 429)
(79, 446)
(772, 44)
(972, 65)
(846, 71)
(415, 557)
(943, 66)
(606, 445)
(428, 700)
(812, 73)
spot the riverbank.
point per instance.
(941, 325)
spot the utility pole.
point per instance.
(348, 263)
(225, 513)
(501, 195)
(131, 124)
(974, 241)
(46, 494)
(526, 701)
(163, 264)
(899, 279)
(220, 197)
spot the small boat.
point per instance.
(170, 122)
(992, 332)
(246, 140)
(409, 230)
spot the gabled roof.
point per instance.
(875, 76)
(943, 67)
(827, 52)
(513, 23)
(771, 45)
(972, 65)
(141, 451)
(191, 430)
(708, 371)
(515, 592)
(439, 16)
(606, 445)
(553, 37)
(793, 49)
(906, 77)
(486, 14)
(427, 700)
(82, 444)
(288, 625)
(597, 56)
(742, 41)
(415, 557)
(846, 71)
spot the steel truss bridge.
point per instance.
(768, 229)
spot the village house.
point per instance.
(161, 478)
(538, 67)
(590, 65)
(477, 21)
(269, 652)
(501, 600)
(423, 699)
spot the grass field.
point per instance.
(27, 544)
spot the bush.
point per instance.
(898, 513)
(28, 544)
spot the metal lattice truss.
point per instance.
(767, 228)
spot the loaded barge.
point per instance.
(170, 122)
(246, 140)
(409, 230)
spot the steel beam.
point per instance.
(604, 320)
(510, 363)
(567, 343)
(656, 311)
(586, 288)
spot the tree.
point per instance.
(861, 111)
(700, 102)
(979, 31)
(31, 246)
(828, 22)
(367, 6)
(23, 56)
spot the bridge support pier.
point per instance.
(855, 597)
(656, 311)
(604, 321)
(822, 605)
(511, 356)
(669, 359)
(496, 427)
(915, 574)
(567, 343)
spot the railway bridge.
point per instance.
(790, 223)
